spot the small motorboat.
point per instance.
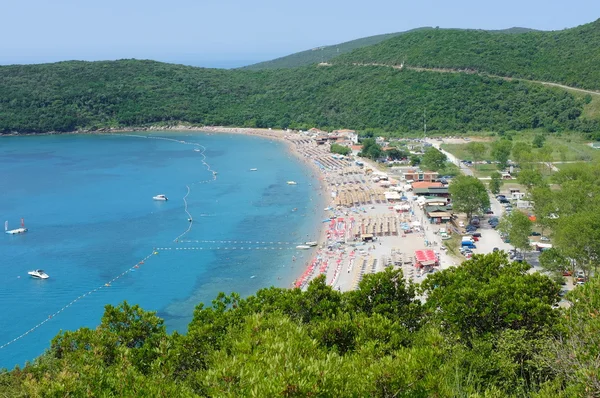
(160, 197)
(254, 169)
(311, 244)
(303, 247)
(38, 274)
(292, 183)
(197, 150)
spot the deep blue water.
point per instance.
(87, 201)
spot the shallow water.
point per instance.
(87, 201)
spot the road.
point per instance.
(453, 159)
(474, 72)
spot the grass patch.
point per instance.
(453, 244)
(575, 147)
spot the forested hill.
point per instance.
(325, 53)
(570, 56)
(71, 96)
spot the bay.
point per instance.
(87, 202)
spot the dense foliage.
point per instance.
(91, 95)
(325, 53)
(570, 56)
(322, 54)
(487, 329)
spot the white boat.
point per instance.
(197, 150)
(39, 274)
(17, 231)
(160, 197)
(303, 247)
(254, 169)
(292, 183)
(311, 244)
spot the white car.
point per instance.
(461, 224)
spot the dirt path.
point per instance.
(475, 72)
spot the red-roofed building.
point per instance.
(356, 149)
(425, 258)
(426, 184)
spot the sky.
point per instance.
(232, 33)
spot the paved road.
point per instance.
(464, 169)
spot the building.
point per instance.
(418, 175)
(438, 214)
(439, 192)
(426, 184)
(351, 135)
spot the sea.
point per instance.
(94, 228)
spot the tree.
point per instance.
(386, 293)
(521, 152)
(433, 159)
(576, 351)
(468, 195)
(518, 228)
(415, 160)
(543, 206)
(530, 178)
(554, 262)
(489, 294)
(538, 141)
(340, 149)
(370, 149)
(477, 150)
(495, 182)
(578, 237)
(397, 154)
(501, 150)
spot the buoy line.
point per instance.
(140, 263)
(107, 284)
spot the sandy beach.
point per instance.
(355, 207)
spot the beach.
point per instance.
(361, 231)
(354, 206)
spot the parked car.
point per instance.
(471, 228)
(534, 233)
(492, 219)
(504, 200)
(500, 197)
(567, 273)
(461, 224)
(476, 234)
(545, 239)
(495, 250)
(489, 211)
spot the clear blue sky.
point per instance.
(228, 33)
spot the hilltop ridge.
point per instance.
(326, 53)
(569, 56)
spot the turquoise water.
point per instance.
(87, 201)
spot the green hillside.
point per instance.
(322, 54)
(69, 96)
(325, 53)
(569, 56)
